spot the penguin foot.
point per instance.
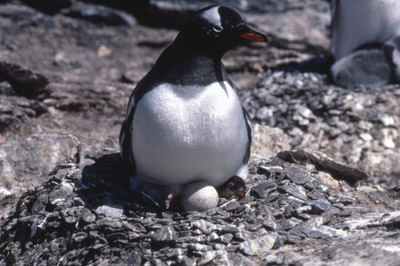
(170, 198)
(153, 195)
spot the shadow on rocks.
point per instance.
(104, 185)
(318, 64)
(105, 188)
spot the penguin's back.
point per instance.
(359, 22)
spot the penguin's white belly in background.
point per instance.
(359, 22)
(188, 133)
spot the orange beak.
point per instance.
(247, 34)
(240, 194)
(254, 37)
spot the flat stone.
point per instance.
(209, 256)
(232, 206)
(88, 216)
(40, 203)
(79, 237)
(257, 246)
(340, 198)
(226, 238)
(239, 236)
(295, 190)
(110, 211)
(198, 247)
(117, 237)
(205, 226)
(259, 190)
(290, 223)
(227, 230)
(70, 219)
(109, 223)
(299, 176)
(165, 234)
(213, 237)
(323, 232)
(319, 206)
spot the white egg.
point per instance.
(199, 196)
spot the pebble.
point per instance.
(239, 236)
(226, 238)
(259, 191)
(213, 237)
(232, 206)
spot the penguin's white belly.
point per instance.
(359, 22)
(184, 134)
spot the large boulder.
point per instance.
(26, 162)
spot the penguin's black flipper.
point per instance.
(250, 134)
(125, 137)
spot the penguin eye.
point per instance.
(217, 28)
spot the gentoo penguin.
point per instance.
(359, 22)
(185, 122)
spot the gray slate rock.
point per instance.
(323, 232)
(319, 206)
(165, 234)
(110, 211)
(295, 190)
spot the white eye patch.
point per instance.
(212, 16)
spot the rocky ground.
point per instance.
(67, 69)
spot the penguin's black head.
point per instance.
(216, 30)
